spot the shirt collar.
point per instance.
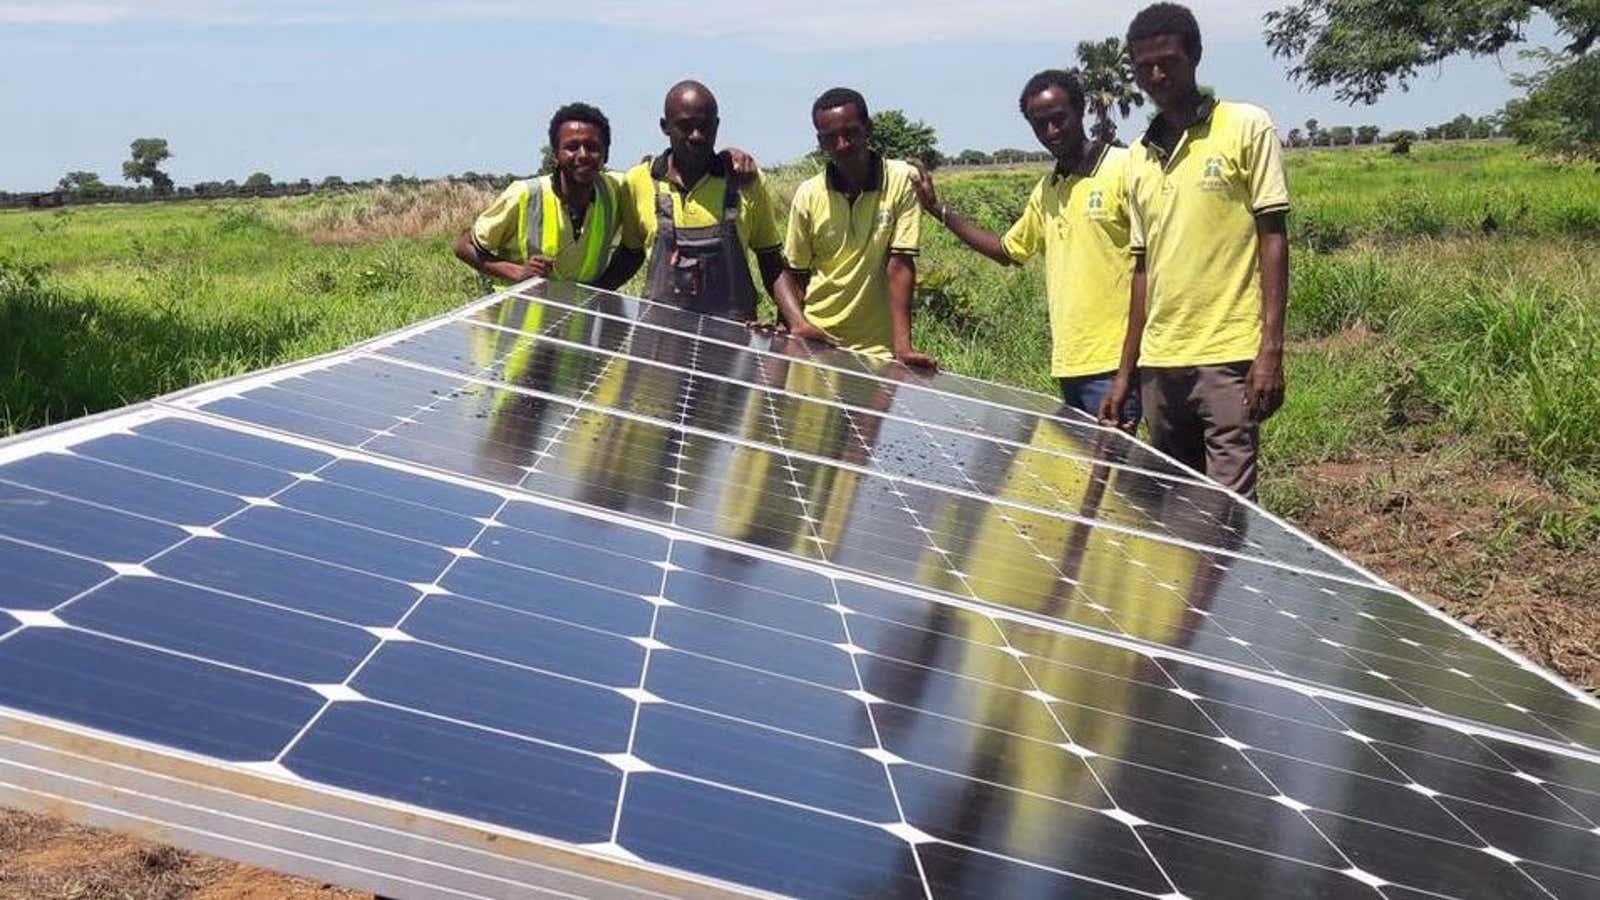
(875, 175)
(658, 166)
(1152, 139)
(1057, 175)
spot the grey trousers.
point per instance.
(1196, 415)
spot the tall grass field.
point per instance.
(1453, 294)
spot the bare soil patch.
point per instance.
(47, 859)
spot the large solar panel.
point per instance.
(572, 593)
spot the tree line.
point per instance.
(1358, 50)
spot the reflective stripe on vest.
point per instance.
(540, 223)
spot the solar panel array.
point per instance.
(574, 592)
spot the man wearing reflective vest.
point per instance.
(561, 226)
(698, 211)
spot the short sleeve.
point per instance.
(1130, 187)
(495, 229)
(1269, 187)
(636, 191)
(797, 243)
(761, 226)
(1026, 236)
(907, 213)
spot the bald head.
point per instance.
(689, 97)
(689, 120)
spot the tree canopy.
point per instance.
(147, 155)
(1362, 47)
(1561, 112)
(1106, 73)
(898, 137)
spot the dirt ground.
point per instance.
(1485, 543)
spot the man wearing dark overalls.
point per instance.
(697, 216)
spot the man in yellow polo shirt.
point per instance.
(1077, 215)
(853, 235)
(561, 226)
(1208, 204)
(699, 212)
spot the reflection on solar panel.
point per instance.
(571, 592)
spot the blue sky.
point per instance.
(306, 89)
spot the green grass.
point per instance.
(105, 306)
(1407, 322)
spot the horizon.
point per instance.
(302, 90)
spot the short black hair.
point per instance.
(840, 96)
(580, 112)
(1049, 78)
(1166, 18)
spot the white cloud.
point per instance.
(801, 24)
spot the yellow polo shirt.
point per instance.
(699, 207)
(1193, 216)
(1081, 224)
(846, 246)
(501, 230)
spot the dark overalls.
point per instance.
(703, 270)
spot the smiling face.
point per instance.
(580, 151)
(1056, 123)
(690, 123)
(842, 133)
(1163, 70)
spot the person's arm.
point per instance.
(468, 251)
(625, 261)
(902, 284)
(787, 289)
(1269, 202)
(494, 232)
(1264, 385)
(972, 234)
(1112, 407)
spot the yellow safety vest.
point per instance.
(541, 224)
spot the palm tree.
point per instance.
(1107, 76)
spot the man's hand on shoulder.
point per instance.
(742, 164)
(922, 183)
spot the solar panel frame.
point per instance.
(112, 780)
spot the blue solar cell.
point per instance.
(298, 583)
(225, 629)
(459, 769)
(826, 776)
(1100, 847)
(497, 695)
(228, 442)
(560, 557)
(151, 695)
(36, 578)
(764, 844)
(758, 696)
(529, 640)
(345, 545)
(550, 595)
(80, 528)
(585, 530)
(432, 492)
(743, 568)
(246, 409)
(7, 623)
(399, 517)
(206, 469)
(784, 654)
(754, 605)
(123, 489)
